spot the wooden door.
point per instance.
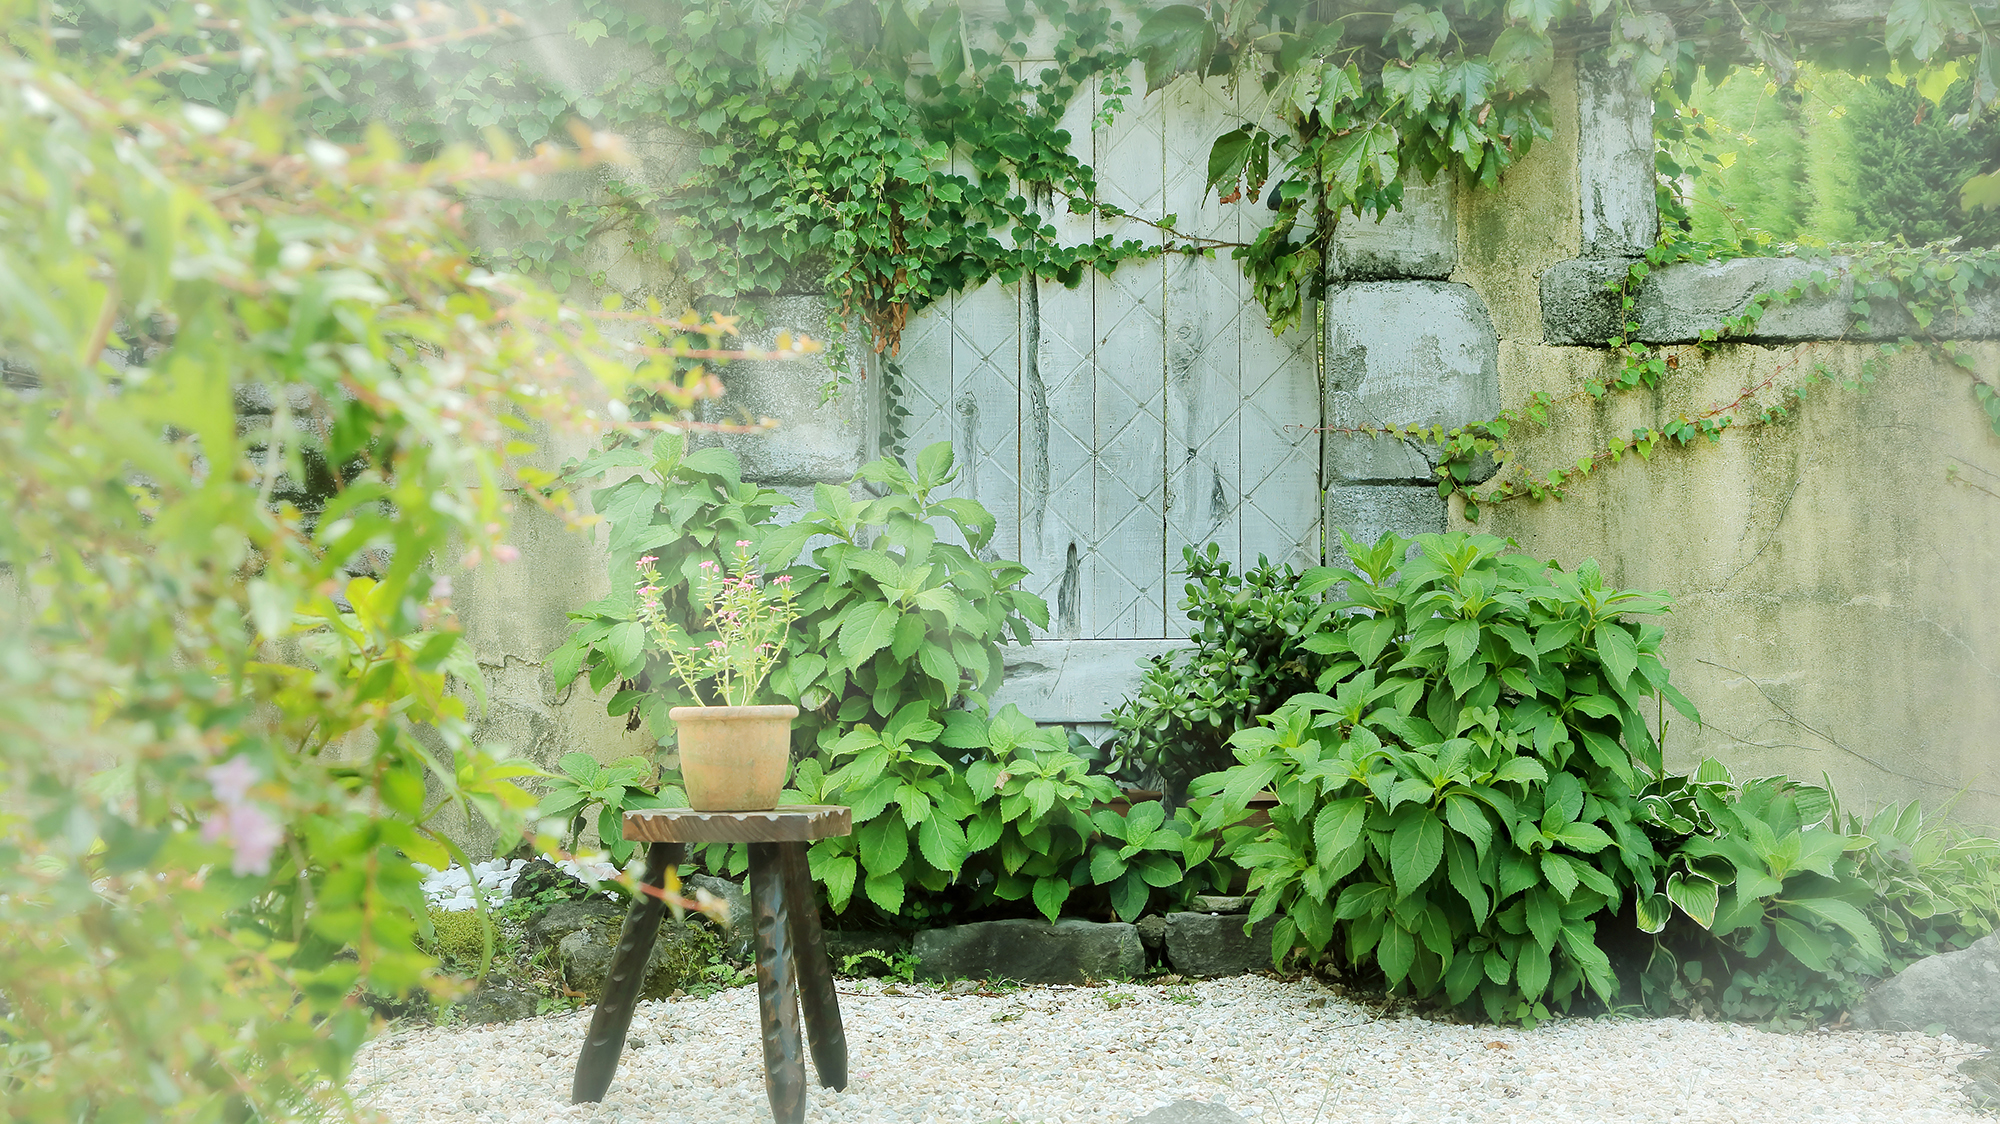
(1109, 426)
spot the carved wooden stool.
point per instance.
(788, 941)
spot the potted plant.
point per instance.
(733, 754)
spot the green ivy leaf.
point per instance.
(790, 45)
(1174, 40)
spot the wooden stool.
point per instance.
(787, 939)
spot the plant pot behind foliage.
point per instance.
(734, 758)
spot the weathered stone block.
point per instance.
(1404, 353)
(1219, 903)
(1420, 240)
(1369, 511)
(1956, 991)
(1579, 306)
(1068, 951)
(1214, 944)
(1679, 302)
(818, 439)
(1614, 158)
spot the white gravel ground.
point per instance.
(1274, 1052)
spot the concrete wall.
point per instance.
(1832, 579)
(1834, 575)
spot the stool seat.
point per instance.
(793, 968)
(792, 824)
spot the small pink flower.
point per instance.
(708, 565)
(782, 579)
(231, 781)
(649, 559)
(441, 589)
(253, 833)
(717, 645)
(505, 553)
(744, 543)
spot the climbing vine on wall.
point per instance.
(890, 152)
(1917, 289)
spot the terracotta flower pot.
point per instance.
(734, 758)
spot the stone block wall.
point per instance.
(1833, 574)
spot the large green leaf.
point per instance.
(1697, 896)
(1844, 916)
(1174, 40)
(1338, 826)
(868, 628)
(1049, 895)
(1617, 650)
(1463, 869)
(1414, 851)
(886, 891)
(1468, 818)
(1396, 953)
(1814, 949)
(1531, 970)
(884, 844)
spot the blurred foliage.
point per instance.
(259, 408)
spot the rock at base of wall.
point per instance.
(564, 918)
(496, 1002)
(679, 953)
(1153, 932)
(1984, 1088)
(1066, 952)
(1189, 1112)
(738, 938)
(1214, 944)
(1958, 992)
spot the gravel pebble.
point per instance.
(1108, 1054)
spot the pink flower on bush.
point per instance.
(647, 560)
(246, 827)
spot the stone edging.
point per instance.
(1677, 303)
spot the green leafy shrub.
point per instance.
(983, 817)
(1245, 658)
(1473, 805)
(1794, 908)
(582, 781)
(258, 408)
(890, 611)
(1459, 811)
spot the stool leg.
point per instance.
(822, 1004)
(777, 994)
(622, 983)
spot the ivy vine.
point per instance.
(890, 152)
